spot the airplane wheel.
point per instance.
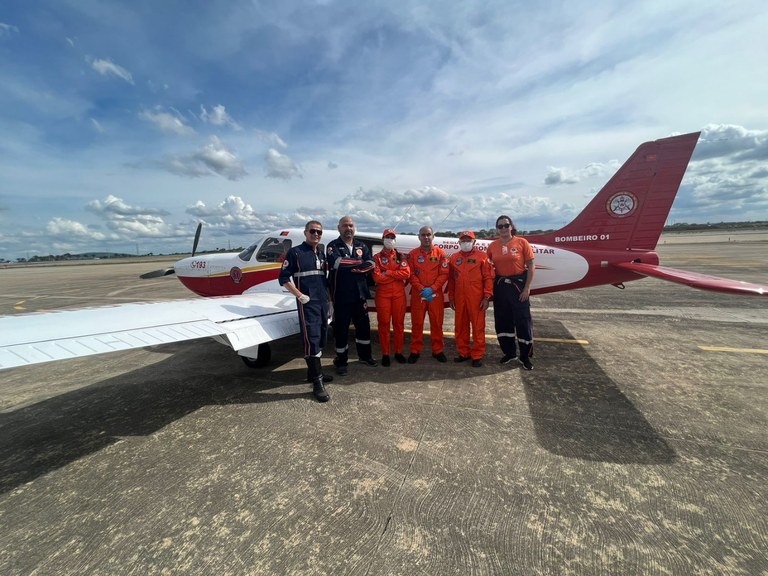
(265, 355)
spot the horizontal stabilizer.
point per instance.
(695, 280)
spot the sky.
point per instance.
(124, 124)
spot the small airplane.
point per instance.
(612, 241)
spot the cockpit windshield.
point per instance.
(273, 249)
(246, 254)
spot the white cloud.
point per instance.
(69, 229)
(218, 158)
(218, 117)
(99, 128)
(592, 170)
(7, 30)
(167, 122)
(107, 67)
(280, 166)
(271, 138)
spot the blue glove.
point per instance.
(427, 294)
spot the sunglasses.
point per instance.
(315, 231)
(503, 226)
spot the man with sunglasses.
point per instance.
(349, 263)
(304, 274)
(512, 257)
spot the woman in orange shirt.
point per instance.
(512, 257)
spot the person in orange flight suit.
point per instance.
(470, 287)
(512, 259)
(390, 274)
(429, 273)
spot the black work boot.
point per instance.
(327, 379)
(318, 390)
(315, 370)
(365, 354)
(341, 363)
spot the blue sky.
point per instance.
(125, 123)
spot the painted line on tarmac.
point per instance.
(536, 338)
(741, 350)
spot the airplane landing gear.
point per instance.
(265, 355)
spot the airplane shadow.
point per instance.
(49, 434)
(578, 411)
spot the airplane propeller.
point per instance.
(169, 271)
(197, 237)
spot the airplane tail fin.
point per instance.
(629, 212)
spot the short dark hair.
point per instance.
(308, 224)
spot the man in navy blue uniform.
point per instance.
(304, 274)
(349, 263)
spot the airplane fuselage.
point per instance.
(556, 268)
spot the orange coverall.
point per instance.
(470, 280)
(390, 273)
(429, 269)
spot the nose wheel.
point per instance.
(264, 356)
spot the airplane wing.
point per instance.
(241, 322)
(695, 280)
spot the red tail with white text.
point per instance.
(630, 211)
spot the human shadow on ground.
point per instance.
(578, 411)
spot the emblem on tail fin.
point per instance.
(622, 204)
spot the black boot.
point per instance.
(341, 363)
(327, 378)
(365, 354)
(316, 373)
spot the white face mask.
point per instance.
(389, 243)
(466, 246)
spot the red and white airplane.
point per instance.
(612, 241)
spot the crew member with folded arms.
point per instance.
(390, 274)
(349, 263)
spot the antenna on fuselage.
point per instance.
(403, 216)
(449, 213)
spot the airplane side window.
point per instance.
(273, 250)
(375, 246)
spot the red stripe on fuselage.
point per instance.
(224, 285)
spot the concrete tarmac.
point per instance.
(638, 445)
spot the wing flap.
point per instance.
(696, 280)
(242, 321)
